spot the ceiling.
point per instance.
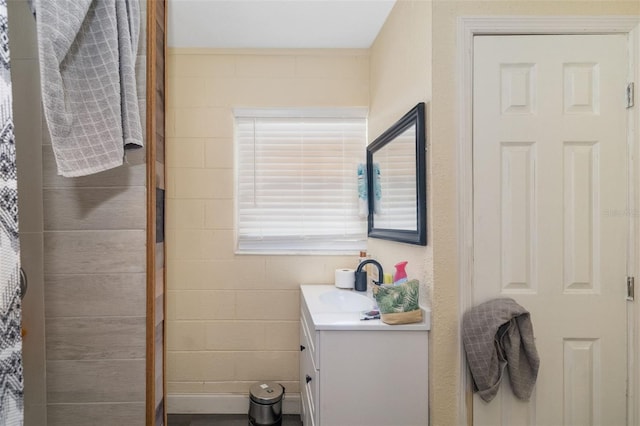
(276, 23)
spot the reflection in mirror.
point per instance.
(396, 175)
(394, 170)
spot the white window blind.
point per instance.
(297, 183)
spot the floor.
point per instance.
(223, 420)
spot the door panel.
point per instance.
(550, 217)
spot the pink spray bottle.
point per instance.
(401, 275)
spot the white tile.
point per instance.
(235, 336)
(201, 366)
(204, 305)
(268, 304)
(264, 365)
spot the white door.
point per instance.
(550, 217)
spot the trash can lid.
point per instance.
(266, 392)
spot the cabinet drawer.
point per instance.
(311, 335)
(308, 380)
(304, 407)
(310, 418)
(310, 385)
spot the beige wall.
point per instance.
(214, 334)
(445, 368)
(401, 78)
(233, 319)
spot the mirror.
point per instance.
(396, 181)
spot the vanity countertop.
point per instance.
(327, 317)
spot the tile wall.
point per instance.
(233, 319)
(27, 117)
(83, 248)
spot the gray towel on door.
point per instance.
(498, 333)
(87, 51)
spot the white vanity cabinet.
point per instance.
(360, 373)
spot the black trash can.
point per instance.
(265, 404)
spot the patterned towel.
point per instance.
(87, 51)
(498, 333)
(11, 380)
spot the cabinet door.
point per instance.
(306, 370)
(373, 378)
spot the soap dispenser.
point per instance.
(401, 275)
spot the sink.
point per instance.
(330, 308)
(344, 301)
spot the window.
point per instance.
(297, 187)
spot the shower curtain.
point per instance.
(11, 381)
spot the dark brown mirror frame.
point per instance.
(415, 117)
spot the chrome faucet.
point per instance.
(361, 276)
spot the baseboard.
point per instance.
(222, 403)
